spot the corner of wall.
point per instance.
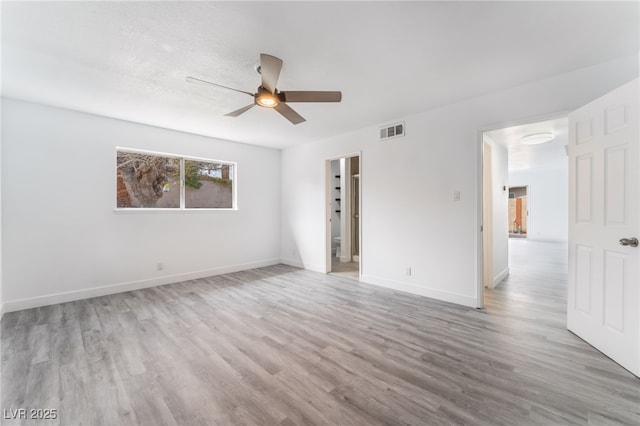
(292, 262)
(297, 263)
(458, 299)
(500, 277)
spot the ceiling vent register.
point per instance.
(393, 131)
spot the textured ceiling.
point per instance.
(128, 60)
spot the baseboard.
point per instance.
(292, 262)
(547, 240)
(300, 264)
(1, 310)
(458, 299)
(501, 276)
(52, 299)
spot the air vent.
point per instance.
(393, 131)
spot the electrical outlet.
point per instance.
(408, 271)
(160, 266)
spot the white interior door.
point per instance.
(604, 190)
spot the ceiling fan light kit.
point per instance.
(266, 99)
(268, 96)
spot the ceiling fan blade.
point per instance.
(309, 96)
(199, 81)
(288, 113)
(240, 111)
(270, 67)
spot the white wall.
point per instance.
(62, 239)
(1, 292)
(500, 210)
(1, 296)
(408, 215)
(547, 202)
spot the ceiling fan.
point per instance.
(268, 95)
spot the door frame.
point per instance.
(528, 213)
(480, 193)
(352, 197)
(327, 203)
(487, 216)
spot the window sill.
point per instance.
(164, 211)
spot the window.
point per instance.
(208, 185)
(153, 180)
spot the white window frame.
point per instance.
(182, 208)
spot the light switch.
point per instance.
(456, 195)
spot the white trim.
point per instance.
(349, 155)
(501, 276)
(327, 217)
(479, 302)
(183, 189)
(138, 210)
(70, 296)
(420, 290)
(360, 210)
(487, 214)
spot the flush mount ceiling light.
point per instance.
(537, 138)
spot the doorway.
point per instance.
(518, 212)
(595, 214)
(344, 217)
(511, 166)
(355, 216)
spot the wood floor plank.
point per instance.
(285, 346)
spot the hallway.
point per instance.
(536, 287)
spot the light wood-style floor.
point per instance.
(280, 345)
(345, 269)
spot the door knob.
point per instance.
(633, 242)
